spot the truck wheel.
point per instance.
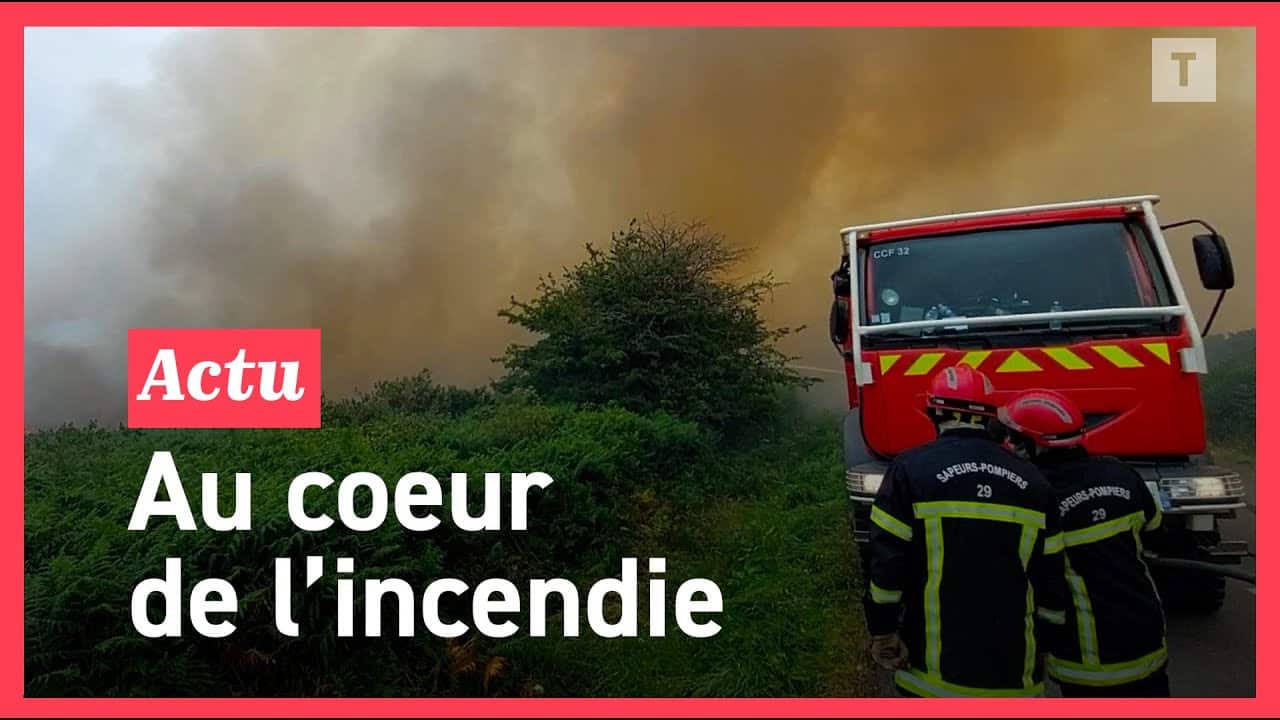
(1182, 589)
(1188, 591)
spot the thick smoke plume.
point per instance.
(395, 187)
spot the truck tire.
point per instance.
(1187, 590)
(1191, 592)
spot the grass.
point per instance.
(783, 557)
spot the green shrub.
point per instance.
(414, 394)
(655, 323)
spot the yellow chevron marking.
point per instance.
(1017, 362)
(887, 361)
(924, 363)
(974, 359)
(1067, 359)
(1160, 350)
(1117, 356)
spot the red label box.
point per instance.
(224, 378)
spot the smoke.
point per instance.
(395, 187)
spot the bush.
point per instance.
(653, 323)
(415, 394)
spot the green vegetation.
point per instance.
(780, 550)
(1230, 390)
(647, 359)
(765, 524)
(653, 323)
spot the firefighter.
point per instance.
(1113, 641)
(962, 565)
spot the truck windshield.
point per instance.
(1079, 266)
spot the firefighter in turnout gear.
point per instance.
(965, 556)
(1113, 641)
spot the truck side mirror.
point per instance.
(1213, 260)
(839, 321)
(841, 287)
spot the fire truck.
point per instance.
(1079, 297)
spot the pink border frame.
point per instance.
(14, 17)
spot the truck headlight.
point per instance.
(1202, 488)
(862, 483)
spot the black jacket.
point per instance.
(963, 563)
(1115, 631)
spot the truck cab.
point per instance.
(1082, 298)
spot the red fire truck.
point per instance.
(1080, 297)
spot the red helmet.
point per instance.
(1047, 418)
(963, 390)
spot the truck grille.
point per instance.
(1209, 488)
(862, 485)
(853, 482)
(1234, 485)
